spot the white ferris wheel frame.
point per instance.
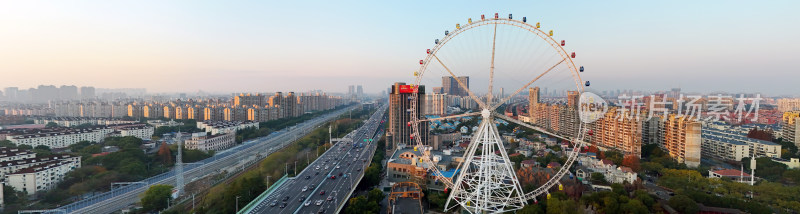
(577, 140)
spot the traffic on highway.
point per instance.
(325, 185)
(122, 197)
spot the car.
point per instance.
(307, 203)
(283, 205)
(286, 198)
(307, 177)
(322, 192)
(358, 169)
(333, 177)
(337, 166)
(330, 198)
(319, 202)
(340, 174)
(273, 203)
(316, 173)
(301, 199)
(305, 188)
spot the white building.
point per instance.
(201, 141)
(141, 131)
(218, 127)
(733, 174)
(10, 154)
(61, 138)
(76, 121)
(43, 176)
(733, 145)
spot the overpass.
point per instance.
(326, 184)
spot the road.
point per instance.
(336, 173)
(256, 149)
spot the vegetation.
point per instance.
(189, 125)
(369, 204)
(156, 197)
(220, 199)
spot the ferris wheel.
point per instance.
(475, 62)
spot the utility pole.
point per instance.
(295, 168)
(237, 203)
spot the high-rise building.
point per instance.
(533, 100)
(788, 104)
(619, 132)
(436, 104)
(11, 93)
(572, 98)
(450, 85)
(87, 92)
(400, 127)
(68, 92)
(249, 100)
(790, 127)
(682, 139)
(359, 91)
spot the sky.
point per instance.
(250, 46)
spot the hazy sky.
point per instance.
(229, 46)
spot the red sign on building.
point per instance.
(406, 89)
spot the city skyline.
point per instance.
(224, 48)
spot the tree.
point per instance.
(755, 133)
(155, 198)
(598, 177)
(683, 204)
(164, 154)
(51, 125)
(531, 209)
(634, 206)
(633, 162)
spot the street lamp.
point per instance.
(237, 203)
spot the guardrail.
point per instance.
(249, 207)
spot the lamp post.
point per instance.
(237, 203)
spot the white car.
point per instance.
(305, 188)
(337, 166)
(319, 202)
(307, 203)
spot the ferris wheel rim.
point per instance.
(577, 139)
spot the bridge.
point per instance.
(326, 184)
(121, 197)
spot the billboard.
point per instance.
(406, 89)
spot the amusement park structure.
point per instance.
(486, 181)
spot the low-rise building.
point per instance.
(729, 144)
(43, 176)
(217, 127)
(141, 131)
(204, 142)
(61, 138)
(733, 174)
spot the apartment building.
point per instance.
(204, 142)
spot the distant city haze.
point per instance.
(190, 46)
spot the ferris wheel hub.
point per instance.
(486, 113)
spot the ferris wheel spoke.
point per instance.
(518, 122)
(450, 117)
(461, 84)
(525, 86)
(490, 96)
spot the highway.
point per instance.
(242, 155)
(325, 185)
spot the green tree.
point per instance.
(155, 198)
(634, 206)
(531, 209)
(51, 125)
(598, 177)
(683, 204)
